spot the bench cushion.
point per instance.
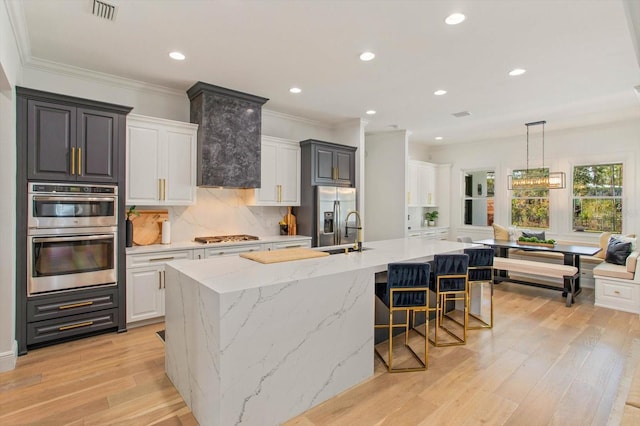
(534, 268)
(612, 271)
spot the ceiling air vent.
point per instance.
(461, 114)
(104, 10)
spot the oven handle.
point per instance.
(74, 238)
(73, 198)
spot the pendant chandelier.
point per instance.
(537, 178)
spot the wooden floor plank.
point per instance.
(542, 363)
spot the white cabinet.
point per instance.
(435, 233)
(422, 184)
(146, 282)
(306, 243)
(280, 174)
(161, 161)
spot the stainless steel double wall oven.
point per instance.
(72, 237)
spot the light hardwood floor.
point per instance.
(542, 364)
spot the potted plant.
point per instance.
(431, 217)
(129, 226)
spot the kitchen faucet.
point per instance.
(358, 245)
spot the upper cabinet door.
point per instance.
(180, 184)
(345, 167)
(289, 174)
(97, 148)
(51, 141)
(143, 160)
(325, 169)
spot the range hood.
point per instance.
(229, 128)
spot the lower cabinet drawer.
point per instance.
(60, 328)
(72, 303)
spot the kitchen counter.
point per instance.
(258, 344)
(189, 245)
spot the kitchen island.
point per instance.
(258, 344)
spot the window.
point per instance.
(478, 197)
(530, 207)
(597, 198)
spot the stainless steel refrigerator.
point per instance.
(323, 216)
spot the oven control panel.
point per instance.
(72, 189)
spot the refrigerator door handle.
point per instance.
(337, 228)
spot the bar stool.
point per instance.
(450, 285)
(407, 290)
(480, 273)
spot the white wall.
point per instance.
(386, 190)
(10, 74)
(611, 142)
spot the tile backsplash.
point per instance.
(222, 212)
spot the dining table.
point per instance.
(571, 256)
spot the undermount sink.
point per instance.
(341, 250)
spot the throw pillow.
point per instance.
(534, 234)
(500, 233)
(604, 242)
(617, 251)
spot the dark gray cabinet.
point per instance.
(329, 163)
(63, 138)
(71, 142)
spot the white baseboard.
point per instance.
(8, 358)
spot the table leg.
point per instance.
(573, 260)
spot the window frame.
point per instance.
(464, 197)
(622, 197)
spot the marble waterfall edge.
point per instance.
(260, 356)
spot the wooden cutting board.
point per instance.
(147, 228)
(283, 255)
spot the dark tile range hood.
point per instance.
(229, 128)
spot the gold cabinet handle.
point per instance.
(81, 324)
(73, 161)
(159, 280)
(334, 172)
(616, 292)
(409, 197)
(76, 305)
(159, 259)
(279, 193)
(79, 161)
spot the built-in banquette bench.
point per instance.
(618, 286)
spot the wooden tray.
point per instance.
(283, 255)
(147, 228)
(524, 243)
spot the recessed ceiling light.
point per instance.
(517, 71)
(367, 56)
(371, 112)
(177, 56)
(440, 92)
(438, 138)
(295, 90)
(455, 18)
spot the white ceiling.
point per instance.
(579, 55)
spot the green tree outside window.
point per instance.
(597, 198)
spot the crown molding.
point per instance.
(304, 120)
(46, 65)
(18, 21)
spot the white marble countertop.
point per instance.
(189, 245)
(231, 274)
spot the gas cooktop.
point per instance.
(225, 239)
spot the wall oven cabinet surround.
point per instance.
(280, 174)
(329, 163)
(71, 141)
(230, 125)
(161, 161)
